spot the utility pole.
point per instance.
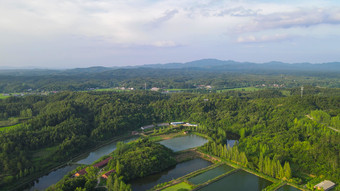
(301, 91)
(145, 86)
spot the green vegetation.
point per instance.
(141, 158)
(136, 159)
(2, 96)
(240, 89)
(265, 122)
(10, 127)
(179, 187)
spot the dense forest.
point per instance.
(271, 127)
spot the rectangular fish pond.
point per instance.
(240, 181)
(179, 170)
(210, 174)
(183, 143)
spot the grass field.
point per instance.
(9, 127)
(109, 89)
(182, 185)
(2, 96)
(9, 122)
(176, 89)
(240, 89)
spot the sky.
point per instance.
(84, 33)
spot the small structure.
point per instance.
(147, 127)
(107, 174)
(97, 165)
(326, 185)
(134, 133)
(155, 89)
(162, 124)
(177, 123)
(102, 163)
(190, 125)
(81, 172)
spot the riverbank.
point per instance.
(25, 182)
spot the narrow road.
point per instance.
(311, 118)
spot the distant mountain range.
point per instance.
(212, 65)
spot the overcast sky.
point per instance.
(82, 33)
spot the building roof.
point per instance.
(103, 162)
(326, 184)
(81, 172)
(108, 173)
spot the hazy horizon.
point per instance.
(79, 34)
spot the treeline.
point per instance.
(265, 165)
(163, 78)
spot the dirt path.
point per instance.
(311, 118)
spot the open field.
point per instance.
(239, 89)
(9, 127)
(109, 89)
(2, 96)
(182, 185)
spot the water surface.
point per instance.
(179, 170)
(288, 188)
(240, 181)
(183, 143)
(210, 174)
(51, 178)
(102, 151)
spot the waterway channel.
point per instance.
(241, 181)
(179, 170)
(53, 177)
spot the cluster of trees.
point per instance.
(265, 165)
(114, 183)
(323, 117)
(226, 152)
(141, 158)
(274, 168)
(86, 182)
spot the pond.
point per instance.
(210, 174)
(241, 181)
(179, 170)
(288, 188)
(102, 151)
(53, 177)
(185, 142)
(231, 142)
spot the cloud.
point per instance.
(163, 44)
(293, 19)
(262, 38)
(237, 12)
(169, 14)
